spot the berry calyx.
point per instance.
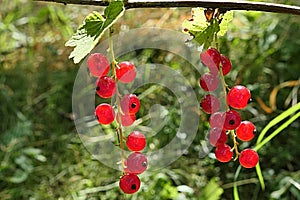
(137, 163)
(126, 119)
(217, 136)
(125, 72)
(238, 97)
(209, 82)
(223, 153)
(106, 87)
(98, 65)
(246, 131)
(130, 104)
(211, 58)
(232, 120)
(248, 158)
(210, 103)
(104, 113)
(130, 183)
(136, 141)
(217, 119)
(226, 64)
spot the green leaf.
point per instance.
(89, 33)
(18, 177)
(226, 19)
(206, 37)
(203, 31)
(198, 23)
(212, 191)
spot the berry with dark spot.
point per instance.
(130, 183)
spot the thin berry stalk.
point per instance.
(235, 145)
(224, 86)
(118, 100)
(232, 133)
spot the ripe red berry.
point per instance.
(104, 113)
(238, 97)
(245, 131)
(226, 64)
(130, 183)
(211, 58)
(136, 141)
(210, 103)
(223, 153)
(248, 158)
(209, 82)
(217, 119)
(98, 65)
(137, 163)
(130, 104)
(106, 87)
(126, 120)
(125, 72)
(217, 136)
(232, 120)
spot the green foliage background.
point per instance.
(41, 155)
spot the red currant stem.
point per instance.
(235, 145)
(216, 40)
(118, 96)
(224, 86)
(232, 133)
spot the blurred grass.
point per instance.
(41, 154)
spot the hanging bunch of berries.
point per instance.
(226, 124)
(123, 112)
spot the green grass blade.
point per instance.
(260, 142)
(235, 188)
(277, 131)
(276, 120)
(260, 176)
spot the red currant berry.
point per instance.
(232, 120)
(211, 58)
(98, 65)
(209, 82)
(210, 104)
(106, 87)
(245, 131)
(126, 120)
(223, 153)
(217, 119)
(217, 136)
(125, 72)
(238, 97)
(130, 183)
(104, 113)
(136, 141)
(226, 64)
(130, 104)
(137, 163)
(248, 158)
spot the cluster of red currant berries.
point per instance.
(125, 115)
(229, 122)
(136, 163)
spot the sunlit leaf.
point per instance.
(89, 33)
(203, 31)
(226, 19)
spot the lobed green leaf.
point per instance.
(89, 33)
(203, 31)
(226, 19)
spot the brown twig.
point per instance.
(227, 5)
